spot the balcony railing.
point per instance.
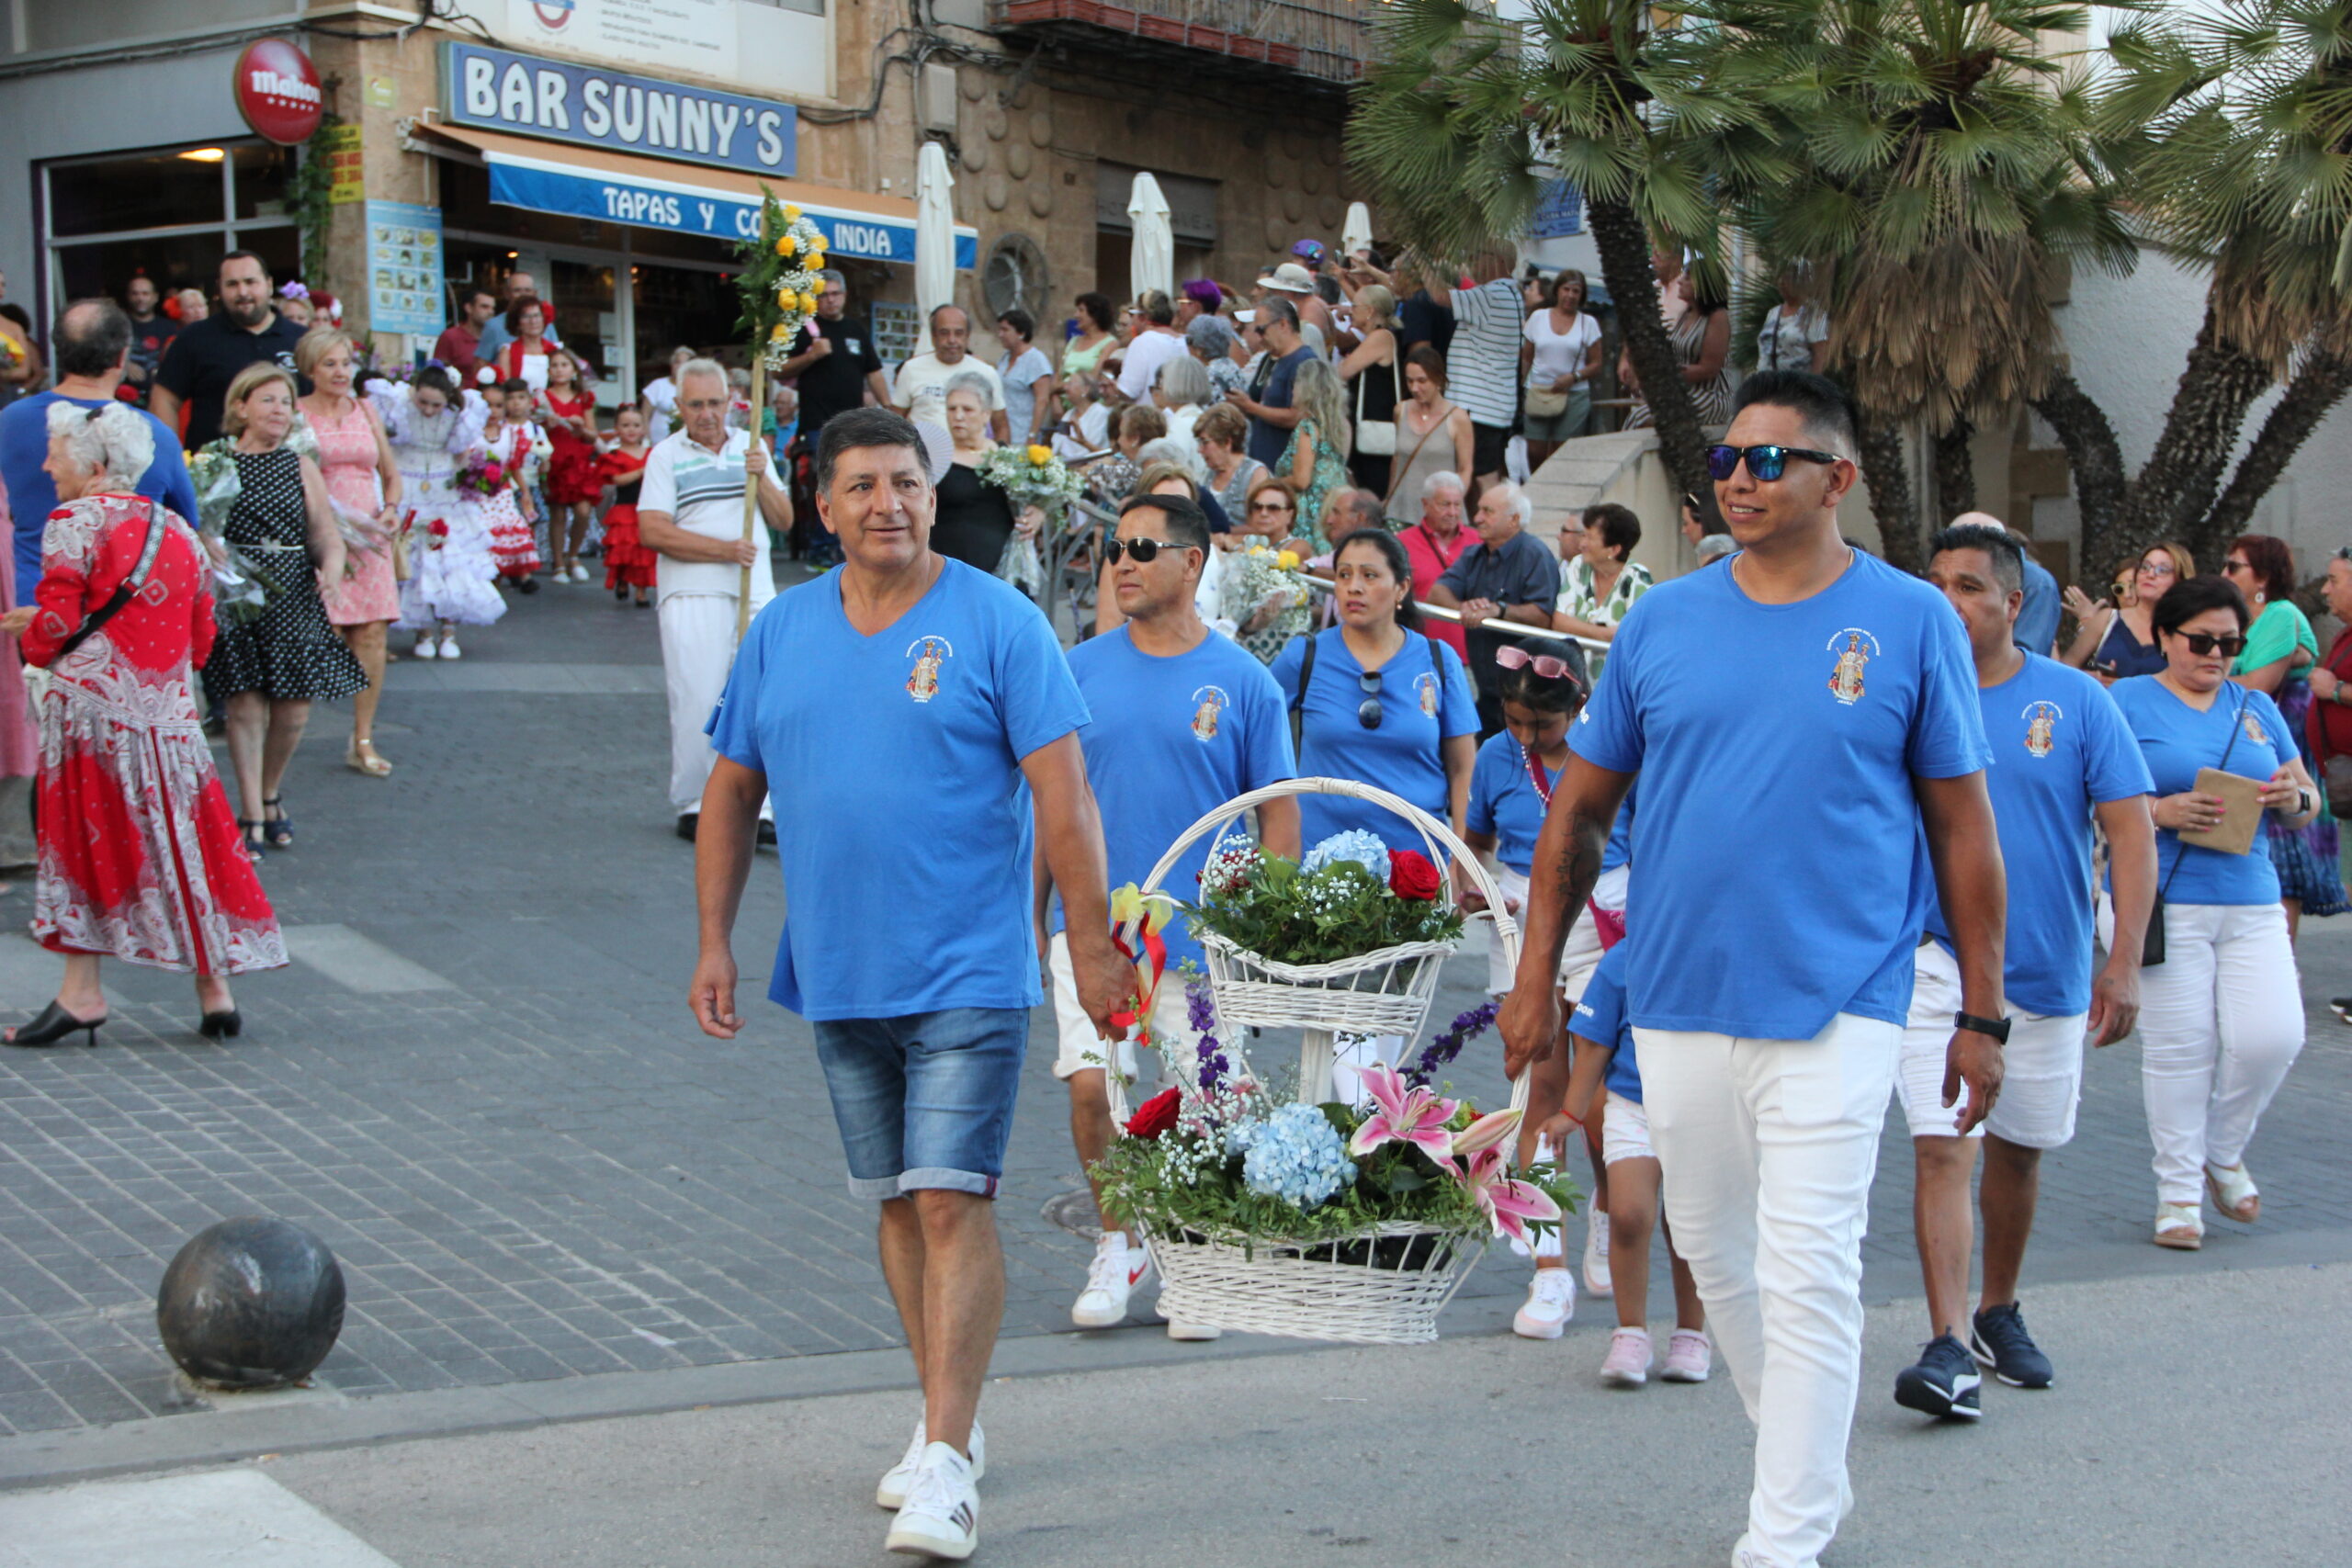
(1327, 40)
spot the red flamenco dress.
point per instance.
(572, 474)
(140, 855)
(627, 563)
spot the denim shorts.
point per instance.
(924, 1101)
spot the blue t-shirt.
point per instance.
(32, 494)
(1171, 740)
(2176, 740)
(1425, 698)
(2059, 747)
(1784, 878)
(2037, 624)
(1267, 440)
(1503, 802)
(1602, 1017)
(894, 763)
(1619, 849)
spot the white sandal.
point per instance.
(2234, 1192)
(2180, 1225)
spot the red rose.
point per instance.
(1410, 874)
(437, 528)
(1155, 1116)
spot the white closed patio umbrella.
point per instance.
(1356, 234)
(935, 236)
(1151, 259)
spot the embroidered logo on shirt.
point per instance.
(1426, 685)
(2254, 731)
(1846, 675)
(2042, 726)
(923, 682)
(1207, 703)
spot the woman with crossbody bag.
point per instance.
(1434, 436)
(140, 858)
(2221, 1005)
(1379, 388)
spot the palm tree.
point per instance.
(1462, 109)
(1942, 165)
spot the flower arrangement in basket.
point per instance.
(1321, 1221)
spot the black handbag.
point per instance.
(2151, 946)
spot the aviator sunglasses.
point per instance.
(1143, 550)
(1766, 463)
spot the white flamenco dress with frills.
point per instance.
(452, 576)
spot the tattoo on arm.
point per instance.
(1579, 869)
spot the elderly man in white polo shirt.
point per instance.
(690, 513)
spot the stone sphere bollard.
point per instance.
(251, 1302)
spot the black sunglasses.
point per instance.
(1766, 463)
(1368, 711)
(2202, 643)
(1145, 551)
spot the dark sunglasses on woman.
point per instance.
(1765, 463)
(2202, 643)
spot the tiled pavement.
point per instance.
(479, 1085)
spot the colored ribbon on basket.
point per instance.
(1135, 924)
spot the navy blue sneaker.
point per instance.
(1944, 1383)
(2000, 1342)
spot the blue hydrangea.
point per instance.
(1355, 844)
(1295, 1155)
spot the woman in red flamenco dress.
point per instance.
(629, 565)
(573, 482)
(140, 855)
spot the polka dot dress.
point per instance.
(288, 652)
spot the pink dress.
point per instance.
(347, 459)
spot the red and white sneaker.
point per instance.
(1112, 1277)
(1550, 1302)
(1690, 1356)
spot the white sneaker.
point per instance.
(1596, 1255)
(892, 1493)
(1550, 1302)
(579, 572)
(425, 648)
(1111, 1279)
(449, 647)
(940, 1516)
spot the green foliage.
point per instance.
(1338, 910)
(306, 196)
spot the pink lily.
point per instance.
(1506, 1203)
(1483, 1134)
(1404, 1115)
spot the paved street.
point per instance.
(478, 1082)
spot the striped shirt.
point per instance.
(702, 492)
(1482, 363)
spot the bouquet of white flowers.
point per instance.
(213, 470)
(1031, 476)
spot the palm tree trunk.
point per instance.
(2318, 387)
(1955, 470)
(1886, 469)
(1624, 247)
(2096, 458)
(2209, 407)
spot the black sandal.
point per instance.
(256, 848)
(278, 831)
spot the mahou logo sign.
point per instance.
(278, 92)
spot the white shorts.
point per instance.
(1080, 1047)
(2041, 1078)
(1625, 1130)
(1580, 954)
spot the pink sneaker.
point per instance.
(1628, 1363)
(1690, 1356)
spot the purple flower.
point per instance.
(1448, 1045)
(1200, 1012)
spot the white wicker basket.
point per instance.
(1381, 1287)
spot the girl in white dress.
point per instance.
(452, 579)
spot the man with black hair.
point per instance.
(207, 354)
(1789, 818)
(1183, 720)
(2063, 755)
(92, 343)
(151, 332)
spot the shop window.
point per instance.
(153, 190)
(171, 213)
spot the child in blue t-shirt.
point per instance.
(1601, 1033)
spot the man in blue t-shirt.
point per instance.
(895, 708)
(1183, 720)
(92, 344)
(1793, 796)
(1271, 417)
(2062, 754)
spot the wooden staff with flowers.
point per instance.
(780, 285)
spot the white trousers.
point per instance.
(1768, 1147)
(2220, 1021)
(698, 650)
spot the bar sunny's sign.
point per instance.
(496, 89)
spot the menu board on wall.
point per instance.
(404, 268)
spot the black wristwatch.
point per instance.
(1991, 1028)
